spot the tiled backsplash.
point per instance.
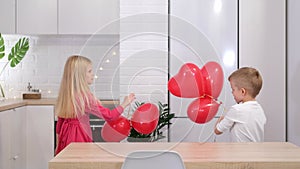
(43, 64)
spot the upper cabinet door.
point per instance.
(37, 17)
(88, 17)
(7, 17)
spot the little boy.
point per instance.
(246, 119)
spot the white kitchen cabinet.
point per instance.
(88, 17)
(18, 131)
(37, 17)
(13, 138)
(26, 137)
(40, 136)
(7, 16)
(5, 139)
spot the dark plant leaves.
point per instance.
(164, 119)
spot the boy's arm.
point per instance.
(227, 121)
(216, 130)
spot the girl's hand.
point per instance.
(128, 99)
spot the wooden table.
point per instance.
(273, 155)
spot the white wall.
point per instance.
(262, 45)
(293, 64)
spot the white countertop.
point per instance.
(14, 103)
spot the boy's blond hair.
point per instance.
(247, 78)
(74, 90)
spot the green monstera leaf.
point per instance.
(18, 51)
(15, 56)
(2, 47)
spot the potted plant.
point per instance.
(15, 56)
(163, 121)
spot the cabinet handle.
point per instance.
(15, 157)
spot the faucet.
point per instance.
(29, 86)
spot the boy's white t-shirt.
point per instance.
(245, 121)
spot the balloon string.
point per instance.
(128, 112)
(215, 99)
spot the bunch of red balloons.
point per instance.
(144, 120)
(204, 84)
(190, 82)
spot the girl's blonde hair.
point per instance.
(74, 90)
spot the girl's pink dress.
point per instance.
(78, 129)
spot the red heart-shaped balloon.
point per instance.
(188, 82)
(116, 130)
(145, 118)
(213, 79)
(202, 110)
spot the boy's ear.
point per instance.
(243, 91)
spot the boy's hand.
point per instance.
(216, 130)
(220, 119)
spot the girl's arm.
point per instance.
(102, 112)
(59, 124)
(106, 113)
(58, 128)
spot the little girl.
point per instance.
(75, 102)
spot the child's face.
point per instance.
(89, 74)
(237, 93)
